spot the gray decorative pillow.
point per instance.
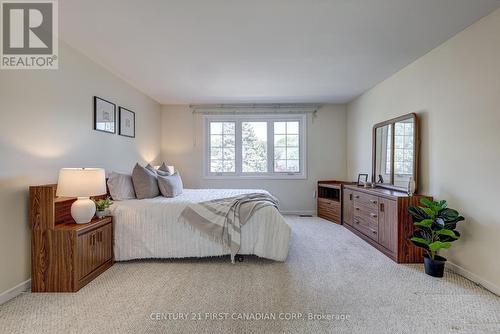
(121, 186)
(170, 186)
(145, 183)
(163, 170)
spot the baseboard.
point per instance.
(15, 291)
(474, 278)
(298, 213)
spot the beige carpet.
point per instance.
(329, 272)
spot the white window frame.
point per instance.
(301, 118)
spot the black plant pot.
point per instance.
(434, 267)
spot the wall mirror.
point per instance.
(395, 152)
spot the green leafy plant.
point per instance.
(102, 204)
(435, 226)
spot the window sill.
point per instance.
(255, 177)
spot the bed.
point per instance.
(149, 228)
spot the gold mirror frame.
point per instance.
(416, 151)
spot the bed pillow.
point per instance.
(171, 185)
(121, 186)
(163, 170)
(145, 183)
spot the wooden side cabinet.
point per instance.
(65, 256)
(330, 198)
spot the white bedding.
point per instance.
(149, 228)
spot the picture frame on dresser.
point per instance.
(126, 122)
(104, 115)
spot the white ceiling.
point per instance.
(235, 51)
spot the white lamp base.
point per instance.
(83, 210)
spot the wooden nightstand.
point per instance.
(65, 256)
(329, 202)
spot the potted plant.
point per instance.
(101, 206)
(435, 230)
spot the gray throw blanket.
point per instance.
(221, 219)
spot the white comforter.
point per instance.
(149, 228)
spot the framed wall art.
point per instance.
(104, 115)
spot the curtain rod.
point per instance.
(255, 108)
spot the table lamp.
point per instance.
(81, 183)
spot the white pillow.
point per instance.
(121, 186)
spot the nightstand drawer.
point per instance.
(329, 209)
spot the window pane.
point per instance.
(254, 147)
(216, 128)
(292, 153)
(216, 166)
(292, 128)
(280, 153)
(222, 147)
(228, 141)
(280, 140)
(400, 129)
(398, 141)
(228, 128)
(216, 141)
(216, 153)
(228, 154)
(280, 165)
(292, 165)
(279, 128)
(292, 140)
(229, 166)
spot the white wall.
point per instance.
(455, 89)
(46, 120)
(182, 145)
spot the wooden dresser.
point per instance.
(65, 256)
(380, 217)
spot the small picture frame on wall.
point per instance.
(104, 115)
(126, 123)
(362, 179)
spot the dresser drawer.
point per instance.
(366, 213)
(367, 200)
(371, 231)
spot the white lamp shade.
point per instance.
(81, 182)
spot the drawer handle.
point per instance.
(357, 196)
(374, 232)
(356, 208)
(373, 215)
(373, 201)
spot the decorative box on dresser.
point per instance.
(65, 256)
(380, 217)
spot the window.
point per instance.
(255, 146)
(222, 147)
(403, 149)
(286, 147)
